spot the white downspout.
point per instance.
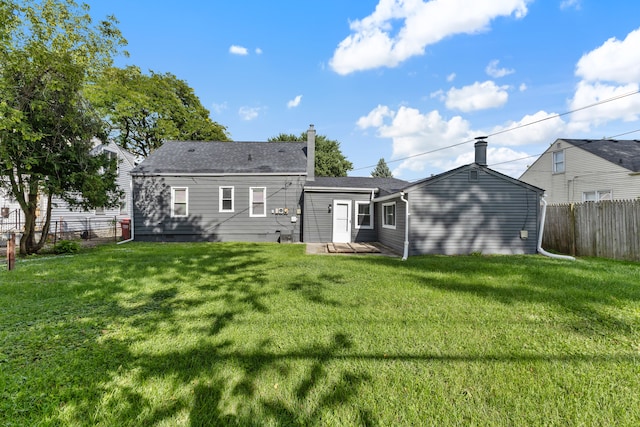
(540, 250)
(405, 255)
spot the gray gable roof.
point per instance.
(190, 157)
(445, 175)
(385, 185)
(625, 153)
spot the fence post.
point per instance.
(11, 252)
(572, 229)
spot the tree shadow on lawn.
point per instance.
(590, 289)
(107, 380)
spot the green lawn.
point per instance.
(262, 334)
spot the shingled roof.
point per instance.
(384, 185)
(189, 157)
(625, 153)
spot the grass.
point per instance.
(262, 334)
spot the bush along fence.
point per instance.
(608, 229)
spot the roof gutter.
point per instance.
(312, 189)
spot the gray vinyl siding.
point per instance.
(318, 222)
(204, 222)
(457, 216)
(393, 238)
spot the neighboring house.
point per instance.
(66, 220)
(585, 170)
(267, 191)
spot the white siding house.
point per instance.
(581, 170)
(67, 220)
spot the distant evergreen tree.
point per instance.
(382, 170)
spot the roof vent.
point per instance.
(191, 150)
(249, 158)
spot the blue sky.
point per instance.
(399, 78)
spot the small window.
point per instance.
(363, 212)
(179, 202)
(257, 201)
(597, 196)
(558, 162)
(473, 175)
(226, 199)
(389, 215)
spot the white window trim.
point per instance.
(357, 210)
(173, 199)
(251, 213)
(554, 163)
(220, 200)
(598, 195)
(384, 217)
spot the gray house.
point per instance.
(222, 191)
(258, 191)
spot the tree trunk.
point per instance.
(27, 242)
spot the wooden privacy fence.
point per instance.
(609, 229)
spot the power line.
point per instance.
(555, 116)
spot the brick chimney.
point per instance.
(311, 154)
(481, 151)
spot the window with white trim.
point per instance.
(364, 219)
(389, 215)
(226, 199)
(558, 161)
(257, 201)
(179, 202)
(597, 196)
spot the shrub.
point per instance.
(66, 247)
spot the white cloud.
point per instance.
(539, 128)
(375, 42)
(522, 87)
(612, 70)
(627, 108)
(258, 51)
(502, 159)
(495, 72)
(566, 4)
(451, 77)
(249, 113)
(375, 118)
(430, 143)
(615, 61)
(294, 102)
(219, 108)
(478, 96)
(238, 50)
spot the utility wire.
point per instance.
(606, 138)
(554, 116)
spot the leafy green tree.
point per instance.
(48, 50)
(381, 170)
(146, 110)
(329, 158)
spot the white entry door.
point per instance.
(341, 221)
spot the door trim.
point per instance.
(335, 237)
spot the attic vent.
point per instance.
(473, 175)
(250, 158)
